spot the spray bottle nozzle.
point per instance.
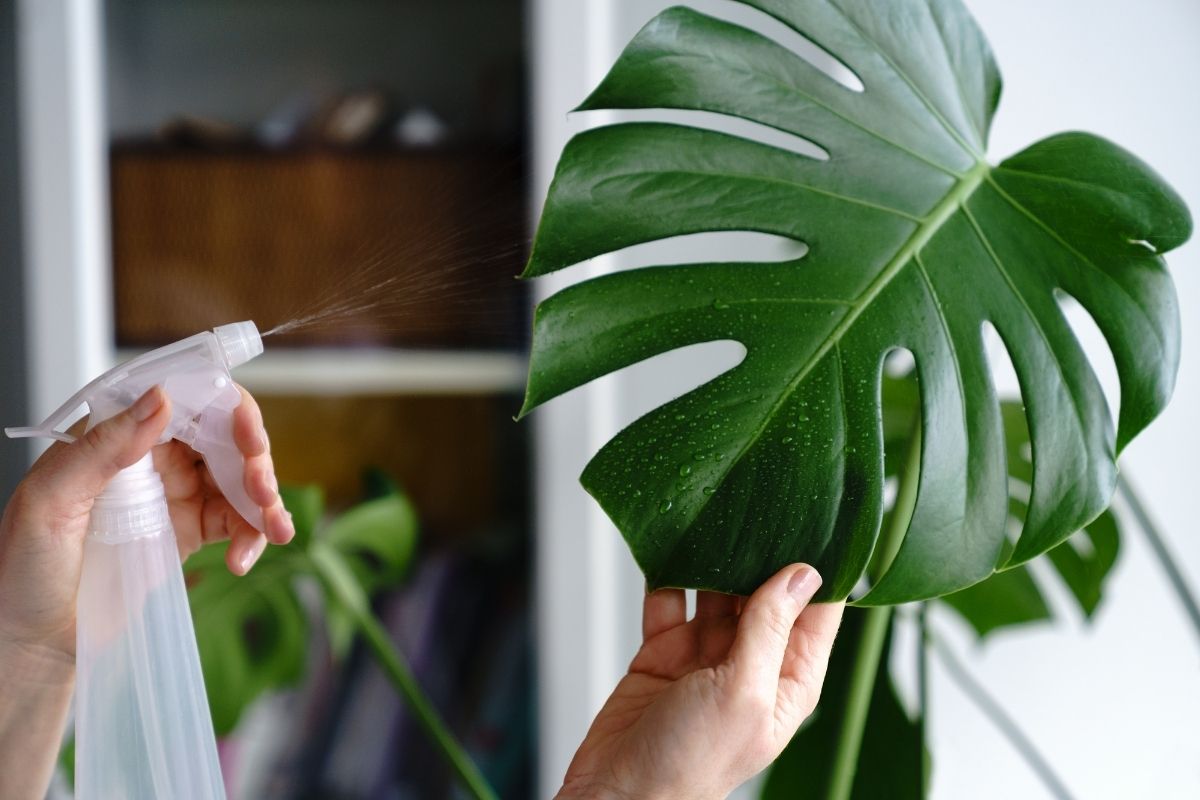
(240, 342)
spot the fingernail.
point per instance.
(266, 443)
(251, 555)
(147, 405)
(804, 584)
(273, 482)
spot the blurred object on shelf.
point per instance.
(353, 119)
(203, 133)
(236, 60)
(271, 236)
(284, 125)
(420, 127)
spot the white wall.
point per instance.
(1113, 706)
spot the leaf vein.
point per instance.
(798, 92)
(1037, 325)
(1036, 220)
(904, 76)
(762, 179)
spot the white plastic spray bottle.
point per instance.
(142, 723)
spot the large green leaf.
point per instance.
(914, 242)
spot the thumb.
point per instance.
(766, 624)
(81, 470)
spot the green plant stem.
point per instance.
(1162, 553)
(403, 679)
(923, 687)
(1000, 718)
(874, 632)
(333, 574)
(862, 687)
(923, 660)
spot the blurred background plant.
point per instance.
(255, 633)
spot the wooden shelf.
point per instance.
(200, 238)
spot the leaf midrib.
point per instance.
(931, 224)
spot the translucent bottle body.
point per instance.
(142, 723)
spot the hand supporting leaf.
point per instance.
(915, 242)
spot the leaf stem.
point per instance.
(1158, 544)
(1000, 718)
(923, 659)
(869, 652)
(923, 689)
(340, 583)
(862, 686)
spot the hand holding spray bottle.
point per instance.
(142, 723)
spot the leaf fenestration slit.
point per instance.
(771, 27)
(1018, 454)
(900, 411)
(1091, 340)
(728, 124)
(708, 247)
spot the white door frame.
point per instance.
(64, 172)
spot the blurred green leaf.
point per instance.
(66, 761)
(253, 631)
(1006, 598)
(377, 538)
(377, 483)
(1085, 560)
(306, 504)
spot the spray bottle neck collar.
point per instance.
(132, 506)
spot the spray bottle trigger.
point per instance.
(214, 441)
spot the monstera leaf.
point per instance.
(914, 242)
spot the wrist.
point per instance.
(592, 786)
(38, 682)
(35, 665)
(586, 790)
